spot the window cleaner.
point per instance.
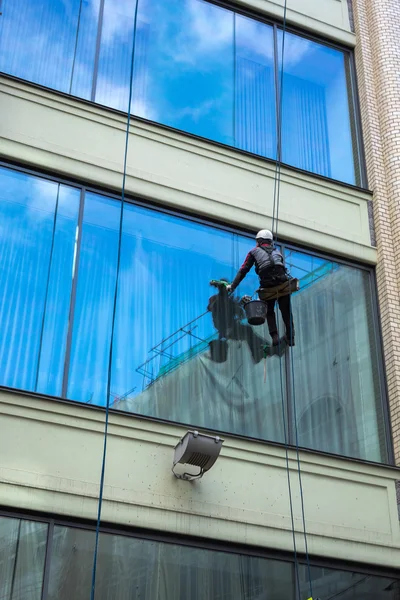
(276, 283)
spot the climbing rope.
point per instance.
(275, 222)
(103, 464)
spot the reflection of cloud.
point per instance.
(201, 29)
(196, 112)
(117, 21)
(116, 96)
(296, 48)
(254, 37)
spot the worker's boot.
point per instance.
(275, 339)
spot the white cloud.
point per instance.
(118, 19)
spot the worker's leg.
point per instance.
(286, 311)
(271, 320)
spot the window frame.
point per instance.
(156, 207)
(188, 541)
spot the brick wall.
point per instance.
(377, 26)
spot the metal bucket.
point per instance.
(256, 312)
(218, 350)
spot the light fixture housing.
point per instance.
(199, 450)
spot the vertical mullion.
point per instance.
(277, 90)
(73, 296)
(47, 562)
(354, 105)
(383, 385)
(288, 378)
(97, 53)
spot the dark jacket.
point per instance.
(269, 265)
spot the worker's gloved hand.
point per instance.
(229, 289)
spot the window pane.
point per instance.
(33, 31)
(53, 345)
(255, 110)
(112, 88)
(336, 375)
(316, 130)
(185, 67)
(94, 300)
(347, 585)
(131, 568)
(27, 210)
(22, 556)
(198, 67)
(175, 359)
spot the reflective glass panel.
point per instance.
(132, 568)
(317, 133)
(33, 31)
(185, 67)
(88, 371)
(254, 107)
(198, 67)
(335, 361)
(62, 271)
(22, 556)
(183, 349)
(146, 569)
(27, 219)
(115, 56)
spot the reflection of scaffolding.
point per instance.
(117, 398)
(162, 351)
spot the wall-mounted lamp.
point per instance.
(196, 449)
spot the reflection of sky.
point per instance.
(198, 67)
(316, 123)
(167, 263)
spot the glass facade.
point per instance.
(130, 567)
(22, 557)
(198, 67)
(181, 352)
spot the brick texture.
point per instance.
(377, 27)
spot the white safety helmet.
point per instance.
(264, 234)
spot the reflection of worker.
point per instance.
(270, 268)
(227, 315)
(225, 310)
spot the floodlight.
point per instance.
(196, 449)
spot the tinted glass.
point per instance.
(335, 361)
(316, 127)
(97, 270)
(33, 31)
(22, 556)
(36, 250)
(58, 297)
(145, 569)
(131, 568)
(196, 360)
(182, 349)
(198, 67)
(185, 66)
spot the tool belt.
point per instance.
(283, 289)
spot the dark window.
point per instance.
(130, 567)
(22, 556)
